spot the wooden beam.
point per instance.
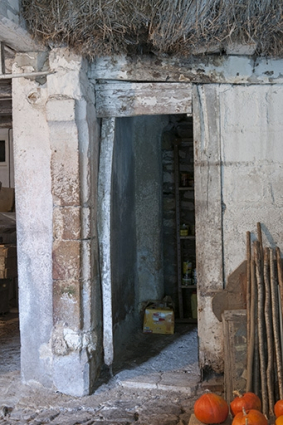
(123, 99)
(104, 232)
(15, 36)
(5, 107)
(195, 69)
(2, 58)
(5, 91)
(6, 121)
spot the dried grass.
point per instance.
(179, 27)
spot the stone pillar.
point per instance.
(32, 158)
(70, 130)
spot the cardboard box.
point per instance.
(158, 320)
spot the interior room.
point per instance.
(153, 232)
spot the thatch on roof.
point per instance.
(179, 27)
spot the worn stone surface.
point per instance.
(34, 226)
(66, 303)
(67, 223)
(66, 260)
(114, 401)
(56, 193)
(64, 163)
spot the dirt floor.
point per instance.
(155, 382)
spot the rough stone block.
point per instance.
(31, 60)
(71, 373)
(67, 223)
(67, 303)
(66, 260)
(64, 163)
(86, 260)
(60, 110)
(68, 67)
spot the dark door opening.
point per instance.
(143, 228)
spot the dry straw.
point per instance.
(179, 27)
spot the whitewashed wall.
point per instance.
(252, 173)
(238, 182)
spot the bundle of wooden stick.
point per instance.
(264, 322)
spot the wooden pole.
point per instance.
(261, 341)
(251, 341)
(256, 374)
(248, 288)
(259, 235)
(275, 323)
(280, 276)
(269, 334)
(280, 289)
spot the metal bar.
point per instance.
(26, 74)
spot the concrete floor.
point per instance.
(156, 381)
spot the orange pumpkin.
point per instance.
(253, 417)
(279, 420)
(210, 408)
(247, 401)
(278, 408)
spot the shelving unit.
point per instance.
(183, 290)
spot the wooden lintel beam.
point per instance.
(123, 99)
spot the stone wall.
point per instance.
(56, 163)
(238, 153)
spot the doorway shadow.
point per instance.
(150, 354)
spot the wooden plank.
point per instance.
(8, 251)
(2, 58)
(207, 174)
(130, 99)
(195, 69)
(6, 90)
(104, 231)
(233, 297)
(235, 351)
(8, 263)
(15, 36)
(208, 220)
(6, 121)
(5, 107)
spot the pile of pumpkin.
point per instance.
(211, 408)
